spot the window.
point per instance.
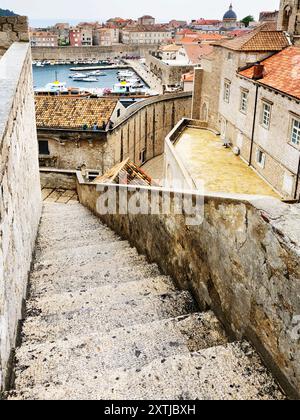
(244, 101)
(118, 113)
(44, 147)
(295, 133)
(227, 91)
(266, 115)
(260, 158)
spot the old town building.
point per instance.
(289, 18)
(255, 108)
(152, 34)
(73, 131)
(146, 20)
(43, 39)
(106, 36)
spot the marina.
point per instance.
(99, 80)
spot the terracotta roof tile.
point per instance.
(196, 52)
(73, 113)
(281, 72)
(257, 40)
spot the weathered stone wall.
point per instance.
(95, 52)
(12, 29)
(143, 127)
(146, 125)
(72, 149)
(242, 261)
(20, 195)
(169, 75)
(53, 178)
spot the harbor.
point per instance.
(102, 80)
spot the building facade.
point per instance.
(106, 36)
(255, 110)
(152, 35)
(146, 20)
(75, 37)
(289, 19)
(43, 39)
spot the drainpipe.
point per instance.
(297, 180)
(253, 127)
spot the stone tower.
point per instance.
(289, 19)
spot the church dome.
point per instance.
(230, 14)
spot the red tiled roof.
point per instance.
(281, 72)
(257, 40)
(196, 52)
(208, 22)
(186, 32)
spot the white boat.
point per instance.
(85, 79)
(78, 75)
(125, 73)
(54, 87)
(39, 64)
(127, 87)
(96, 73)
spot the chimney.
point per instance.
(258, 71)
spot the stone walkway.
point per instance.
(103, 323)
(150, 78)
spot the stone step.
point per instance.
(229, 372)
(82, 254)
(112, 252)
(48, 304)
(80, 224)
(82, 238)
(54, 208)
(101, 233)
(134, 346)
(53, 279)
(107, 317)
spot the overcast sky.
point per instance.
(161, 9)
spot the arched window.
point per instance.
(287, 12)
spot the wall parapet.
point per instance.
(135, 108)
(242, 262)
(12, 29)
(20, 195)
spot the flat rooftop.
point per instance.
(205, 158)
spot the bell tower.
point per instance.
(289, 19)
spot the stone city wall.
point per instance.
(169, 75)
(89, 53)
(12, 29)
(20, 193)
(146, 125)
(242, 261)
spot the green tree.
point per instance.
(5, 12)
(247, 20)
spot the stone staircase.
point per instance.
(102, 323)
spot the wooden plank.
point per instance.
(74, 199)
(56, 194)
(46, 192)
(66, 196)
